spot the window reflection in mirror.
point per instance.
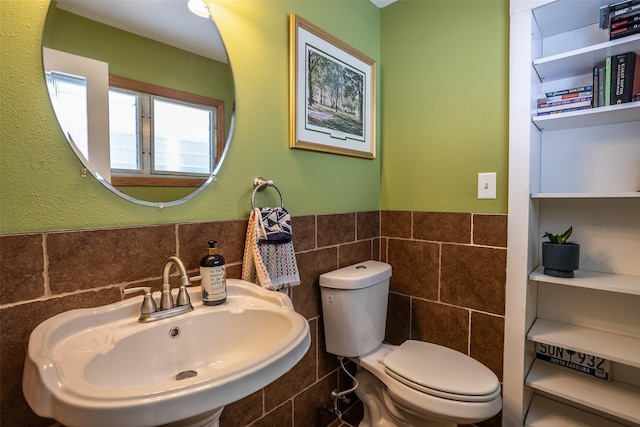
(145, 158)
(68, 95)
(162, 133)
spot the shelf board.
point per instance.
(582, 61)
(614, 398)
(597, 195)
(545, 412)
(593, 280)
(615, 347)
(562, 16)
(628, 112)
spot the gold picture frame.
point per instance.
(332, 93)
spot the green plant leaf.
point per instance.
(562, 239)
(559, 239)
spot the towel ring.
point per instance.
(259, 184)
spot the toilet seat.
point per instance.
(441, 372)
(409, 400)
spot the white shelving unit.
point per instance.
(579, 169)
(607, 345)
(595, 117)
(580, 61)
(549, 413)
(614, 398)
(594, 195)
(593, 280)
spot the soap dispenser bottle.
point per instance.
(214, 277)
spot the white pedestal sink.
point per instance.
(100, 367)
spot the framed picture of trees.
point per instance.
(333, 95)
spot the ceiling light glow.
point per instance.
(198, 7)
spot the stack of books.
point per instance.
(618, 81)
(621, 18)
(562, 101)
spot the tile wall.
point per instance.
(448, 283)
(447, 287)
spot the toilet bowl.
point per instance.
(413, 384)
(437, 387)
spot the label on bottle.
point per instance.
(214, 283)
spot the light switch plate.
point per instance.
(487, 185)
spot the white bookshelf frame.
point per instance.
(556, 44)
(549, 413)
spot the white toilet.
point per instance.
(414, 384)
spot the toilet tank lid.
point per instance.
(356, 276)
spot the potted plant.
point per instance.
(559, 256)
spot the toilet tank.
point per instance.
(354, 307)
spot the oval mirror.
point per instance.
(143, 92)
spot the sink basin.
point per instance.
(101, 367)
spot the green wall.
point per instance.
(40, 184)
(444, 103)
(443, 114)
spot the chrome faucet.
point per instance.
(166, 300)
(149, 311)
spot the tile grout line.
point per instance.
(45, 267)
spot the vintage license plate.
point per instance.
(581, 362)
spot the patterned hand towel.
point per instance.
(272, 266)
(274, 225)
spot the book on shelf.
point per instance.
(576, 102)
(567, 96)
(596, 86)
(627, 19)
(569, 91)
(601, 84)
(564, 102)
(625, 31)
(612, 11)
(629, 7)
(565, 110)
(622, 77)
(607, 81)
(561, 101)
(635, 87)
(624, 20)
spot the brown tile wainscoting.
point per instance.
(447, 287)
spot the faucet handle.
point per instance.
(183, 294)
(148, 303)
(183, 297)
(144, 289)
